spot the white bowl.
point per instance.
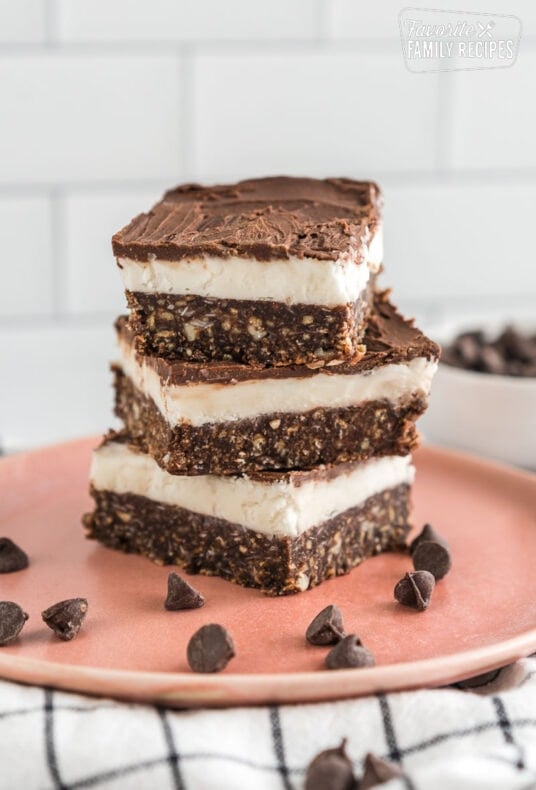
(493, 416)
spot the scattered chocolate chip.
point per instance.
(12, 619)
(349, 653)
(210, 649)
(12, 558)
(65, 618)
(427, 533)
(182, 595)
(378, 771)
(326, 628)
(433, 557)
(415, 590)
(331, 770)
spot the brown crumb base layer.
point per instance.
(263, 332)
(280, 440)
(277, 565)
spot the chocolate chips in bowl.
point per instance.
(511, 353)
(484, 399)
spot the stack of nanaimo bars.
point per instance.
(268, 390)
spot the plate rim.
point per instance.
(184, 689)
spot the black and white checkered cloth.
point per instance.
(445, 739)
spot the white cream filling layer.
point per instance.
(202, 402)
(277, 508)
(292, 281)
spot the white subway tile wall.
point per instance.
(348, 19)
(445, 241)
(312, 124)
(494, 122)
(104, 105)
(91, 282)
(186, 20)
(56, 383)
(27, 279)
(89, 117)
(351, 19)
(22, 22)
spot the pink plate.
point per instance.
(483, 614)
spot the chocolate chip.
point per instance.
(473, 334)
(468, 348)
(12, 619)
(477, 681)
(12, 558)
(377, 771)
(349, 653)
(182, 595)
(331, 770)
(433, 557)
(514, 346)
(511, 354)
(415, 590)
(491, 361)
(65, 618)
(326, 628)
(427, 533)
(210, 649)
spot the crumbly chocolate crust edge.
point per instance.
(389, 338)
(203, 544)
(251, 332)
(277, 441)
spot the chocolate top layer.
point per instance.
(389, 339)
(262, 218)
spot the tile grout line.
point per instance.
(165, 48)
(447, 82)
(411, 178)
(83, 186)
(384, 45)
(186, 113)
(51, 23)
(58, 269)
(324, 14)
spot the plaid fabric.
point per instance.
(446, 738)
